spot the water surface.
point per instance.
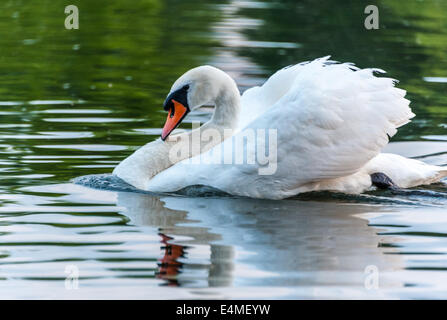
(77, 102)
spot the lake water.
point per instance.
(77, 102)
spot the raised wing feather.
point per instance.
(255, 101)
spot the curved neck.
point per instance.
(226, 106)
(159, 155)
(226, 115)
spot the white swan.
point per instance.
(331, 120)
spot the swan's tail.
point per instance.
(406, 173)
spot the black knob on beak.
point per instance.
(180, 95)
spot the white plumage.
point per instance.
(332, 120)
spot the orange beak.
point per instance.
(175, 116)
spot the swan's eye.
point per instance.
(186, 87)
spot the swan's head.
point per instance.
(197, 87)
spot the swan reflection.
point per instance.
(243, 241)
